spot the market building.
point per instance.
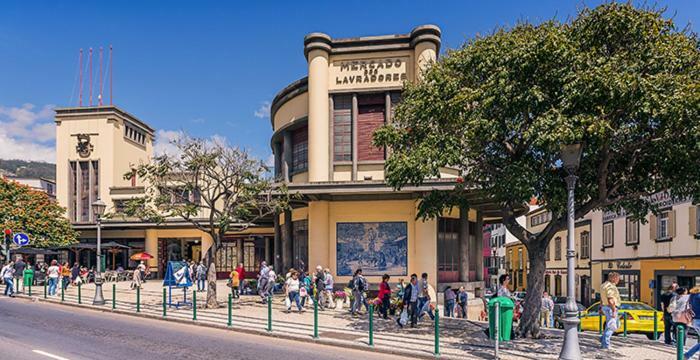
(322, 144)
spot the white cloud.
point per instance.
(263, 111)
(165, 138)
(27, 133)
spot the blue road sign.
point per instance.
(20, 239)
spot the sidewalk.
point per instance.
(458, 338)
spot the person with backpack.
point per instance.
(679, 315)
(20, 265)
(359, 285)
(694, 310)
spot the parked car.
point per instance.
(560, 308)
(640, 319)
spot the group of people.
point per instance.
(20, 274)
(681, 307)
(300, 288)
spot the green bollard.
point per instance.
(437, 332)
(579, 321)
(656, 327)
(164, 304)
(80, 299)
(194, 305)
(44, 288)
(230, 301)
(62, 293)
(624, 325)
(269, 314)
(680, 340)
(138, 299)
(315, 319)
(371, 325)
(600, 323)
(114, 296)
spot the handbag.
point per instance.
(403, 320)
(287, 302)
(684, 316)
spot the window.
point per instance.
(370, 116)
(120, 206)
(448, 246)
(182, 196)
(300, 149)
(664, 226)
(133, 133)
(300, 239)
(83, 180)
(541, 218)
(509, 263)
(557, 248)
(608, 239)
(342, 128)
(547, 287)
(227, 256)
(557, 285)
(632, 232)
(520, 259)
(585, 245)
(546, 253)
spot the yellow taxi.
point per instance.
(640, 319)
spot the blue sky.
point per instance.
(209, 68)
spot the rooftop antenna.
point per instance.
(110, 75)
(99, 96)
(80, 76)
(90, 77)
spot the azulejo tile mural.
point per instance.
(376, 247)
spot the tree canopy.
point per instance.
(621, 80)
(215, 187)
(32, 212)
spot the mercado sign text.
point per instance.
(368, 72)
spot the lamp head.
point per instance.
(98, 208)
(571, 156)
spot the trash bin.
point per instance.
(505, 317)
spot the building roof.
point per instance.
(105, 109)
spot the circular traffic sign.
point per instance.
(20, 239)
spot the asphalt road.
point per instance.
(45, 331)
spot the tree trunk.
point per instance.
(212, 303)
(530, 318)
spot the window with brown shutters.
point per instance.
(300, 149)
(342, 128)
(371, 111)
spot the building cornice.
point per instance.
(70, 112)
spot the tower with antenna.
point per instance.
(86, 67)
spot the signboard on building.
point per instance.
(368, 73)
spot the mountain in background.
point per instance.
(28, 169)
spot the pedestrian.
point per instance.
(143, 270)
(262, 281)
(384, 296)
(136, 280)
(292, 287)
(241, 277)
(546, 308)
(504, 282)
(449, 300)
(610, 296)
(271, 281)
(424, 299)
(668, 305)
(328, 290)
(319, 286)
(463, 301)
(679, 313)
(305, 290)
(201, 277)
(235, 281)
(694, 305)
(65, 275)
(75, 274)
(7, 274)
(410, 301)
(20, 265)
(359, 285)
(400, 288)
(53, 272)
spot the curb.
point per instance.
(273, 334)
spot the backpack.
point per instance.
(672, 305)
(351, 284)
(360, 284)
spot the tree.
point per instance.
(32, 212)
(623, 81)
(215, 187)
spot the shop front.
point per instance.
(659, 274)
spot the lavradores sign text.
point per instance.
(348, 73)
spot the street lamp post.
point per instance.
(98, 208)
(570, 157)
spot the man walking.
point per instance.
(263, 278)
(20, 265)
(7, 273)
(667, 307)
(359, 285)
(410, 301)
(319, 286)
(610, 298)
(201, 276)
(546, 310)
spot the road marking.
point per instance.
(49, 355)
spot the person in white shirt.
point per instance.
(53, 273)
(292, 286)
(7, 273)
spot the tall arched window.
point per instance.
(557, 248)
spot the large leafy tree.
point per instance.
(621, 80)
(215, 187)
(32, 212)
